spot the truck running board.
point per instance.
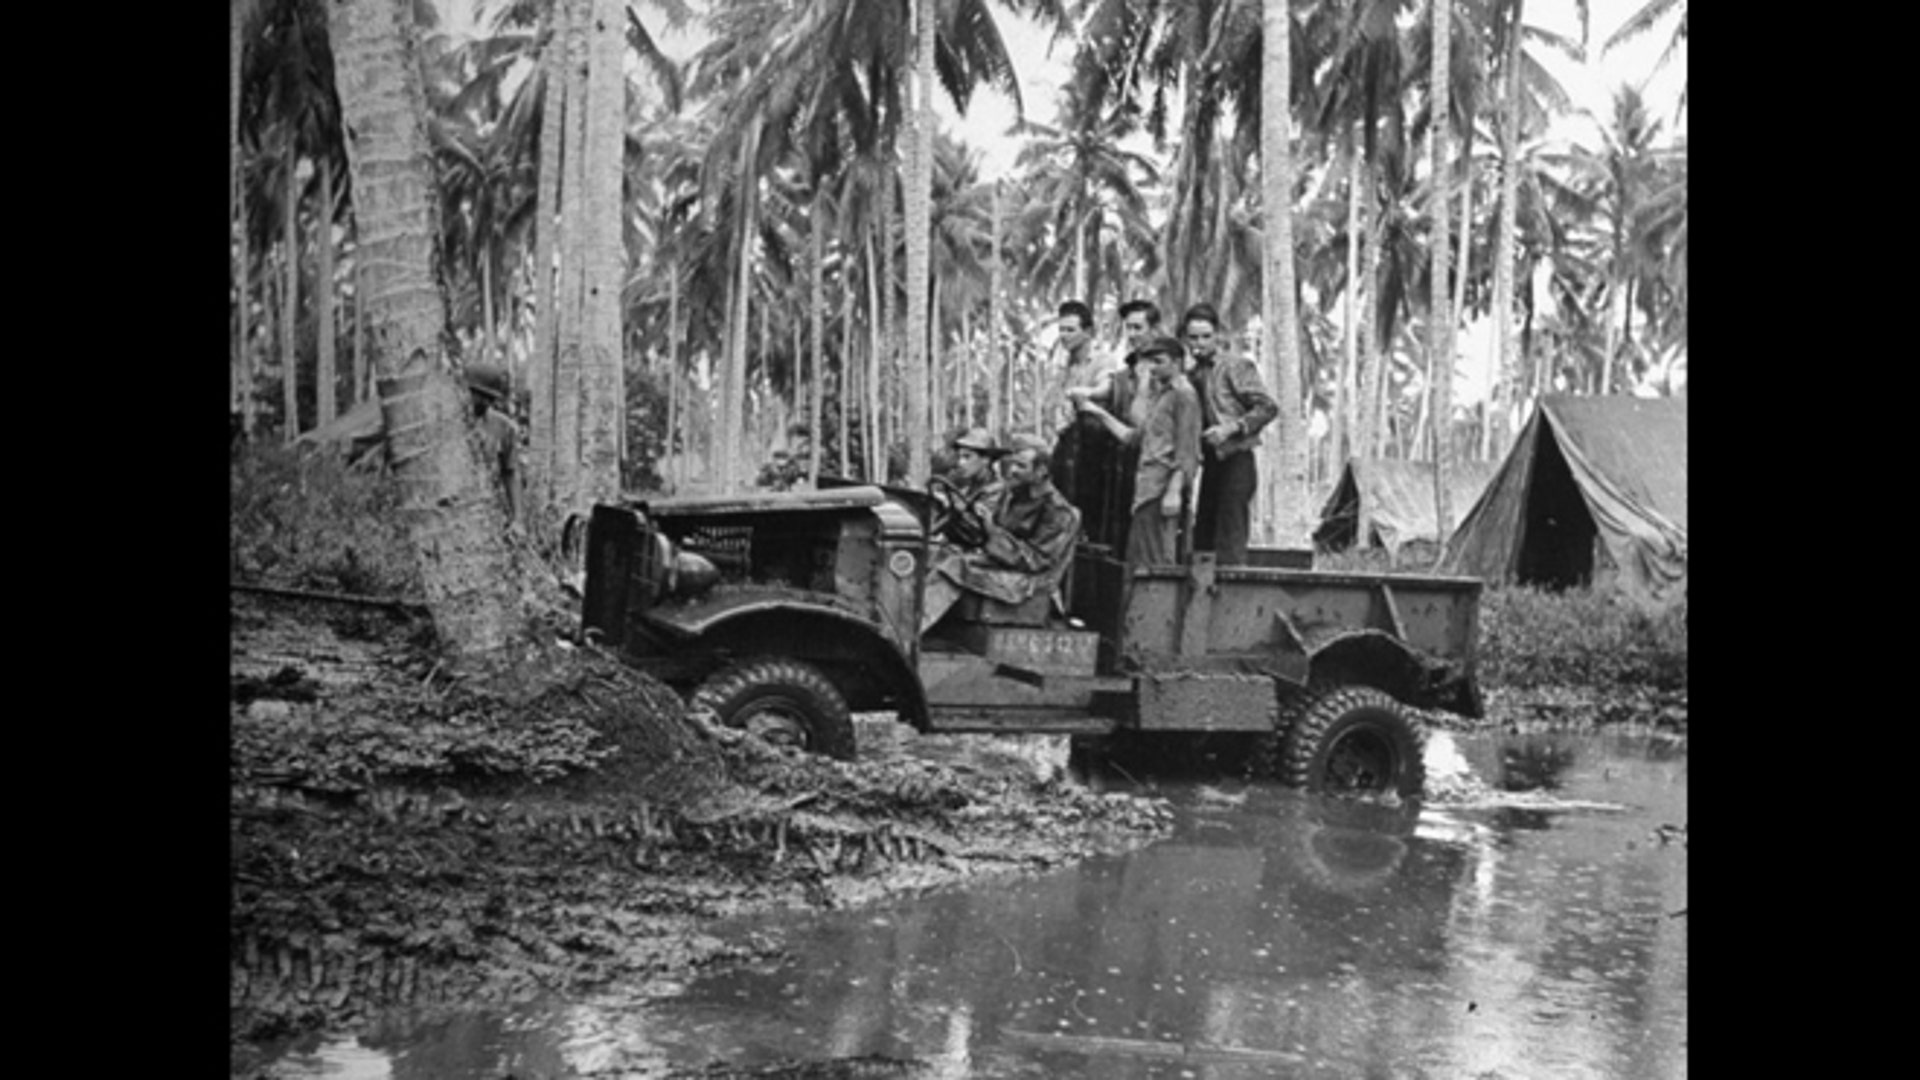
(1017, 722)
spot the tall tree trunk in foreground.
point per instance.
(919, 218)
(1440, 324)
(602, 369)
(456, 523)
(570, 330)
(546, 303)
(1280, 321)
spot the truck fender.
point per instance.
(865, 666)
(1380, 660)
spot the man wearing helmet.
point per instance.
(499, 435)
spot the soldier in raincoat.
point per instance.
(1030, 532)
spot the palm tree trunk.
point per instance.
(361, 387)
(544, 416)
(324, 365)
(1440, 325)
(816, 439)
(290, 297)
(849, 372)
(1462, 257)
(1281, 321)
(966, 375)
(237, 224)
(243, 330)
(570, 333)
(919, 216)
(675, 417)
(733, 385)
(456, 524)
(602, 380)
(1506, 249)
(1342, 432)
(1371, 414)
(1000, 392)
(881, 283)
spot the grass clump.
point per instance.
(1580, 638)
(304, 518)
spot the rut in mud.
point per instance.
(399, 840)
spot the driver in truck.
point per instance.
(1030, 529)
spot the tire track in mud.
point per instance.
(414, 890)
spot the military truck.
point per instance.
(786, 612)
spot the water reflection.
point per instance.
(1274, 934)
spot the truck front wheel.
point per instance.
(782, 701)
(1354, 739)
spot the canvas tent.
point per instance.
(1594, 491)
(1397, 499)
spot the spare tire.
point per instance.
(1353, 739)
(782, 701)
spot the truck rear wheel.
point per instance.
(1354, 739)
(782, 701)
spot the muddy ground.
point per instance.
(401, 839)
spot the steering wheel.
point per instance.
(952, 514)
(946, 503)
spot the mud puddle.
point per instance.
(1532, 923)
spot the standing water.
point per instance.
(1534, 926)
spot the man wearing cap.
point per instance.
(974, 483)
(1029, 535)
(974, 453)
(1165, 429)
(499, 435)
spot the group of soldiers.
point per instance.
(1169, 430)
(1154, 457)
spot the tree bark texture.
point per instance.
(1506, 247)
(919, 218)
(1440, 322)
(602, 374)
(546, 306)
(453, 515)
(1280, 319)
(816, 439)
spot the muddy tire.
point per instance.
(782, 701)
(1353, 739)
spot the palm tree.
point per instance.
(1614, 181)
(1280, 318)
(1650, 15)
(456, 524)
(1088, 192)
(288, 105)
(1439, 310)
(831, 77)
